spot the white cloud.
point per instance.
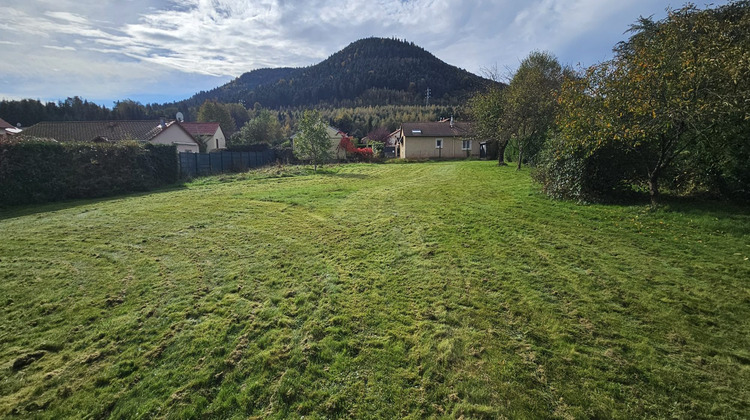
(55, 47)
(69, 17)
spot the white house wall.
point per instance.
(175, 135)
(217, 138)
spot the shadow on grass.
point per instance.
(402, 161)
(705, 206)
(31, 209)
(685, 205)
(345, 175)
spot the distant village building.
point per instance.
(335, 135)
(443, 139)
(151, 131)
(391, 144)
(6, 129)
(208, 133)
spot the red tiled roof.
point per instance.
(4, 124)
(200, 128)
(85, 131)
(436, 129)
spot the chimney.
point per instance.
(451, 121)
(162, 123)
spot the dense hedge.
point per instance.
(39, 171)
(610, 173)
(578, 174)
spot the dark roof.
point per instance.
(4, 124)
(436, 129)
(85, 131)
(200, 128)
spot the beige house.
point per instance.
(152, 131)
(208, 133)
(335, 135)
(444, 139)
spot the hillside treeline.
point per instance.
(358, 122)
(28, 112)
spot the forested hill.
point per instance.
(238, 88)
(371, 71)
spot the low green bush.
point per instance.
(575, 173)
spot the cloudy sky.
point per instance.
(161, 50)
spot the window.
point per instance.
(466, 145)
(416, 131)
(438, 143)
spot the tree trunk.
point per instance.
(520, 155)
(501, 153)
(653, 189)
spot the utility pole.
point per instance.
(427, 97)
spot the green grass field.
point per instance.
(402, 290)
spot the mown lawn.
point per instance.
(416, 290)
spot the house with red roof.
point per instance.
(6, 129)
(207, 133)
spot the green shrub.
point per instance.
(40, 171)
(575, 173)
(377, 148)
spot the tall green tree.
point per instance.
(129, 110)
(529, 104)
(487, 110)
(312, 142)
(264, 128)
(239, 113)
(212, 111)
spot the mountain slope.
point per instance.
(239, 87)
(372, 71)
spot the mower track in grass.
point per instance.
(442, 289)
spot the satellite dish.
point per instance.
(179, 117)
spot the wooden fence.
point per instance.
(197, 164)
